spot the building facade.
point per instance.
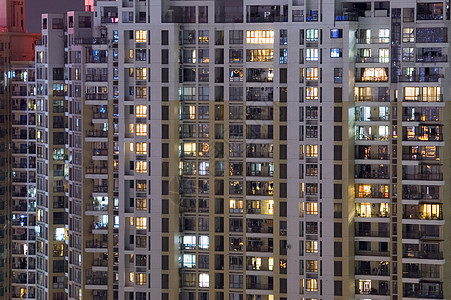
(17, 154)
(239, 150)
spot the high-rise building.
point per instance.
(17, 154)
(243, 151)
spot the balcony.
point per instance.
(372, 210)
(373, 291)
(422, 254)
(369, 98)
(372, 268)
(423, 294)
(99, 152)
(423, 176)
(372, 133)
(372, 191)
(259, 188)
(371, 233)
(100, 189)
(421, 232)
(259, 113)
(96, 133)
(99, 262)
(422, 133)
(258, 286)
(259, 226)
(432, 58)
(420, 78)
(96, 244)
(96, 207)
(371, 253)
(259, 94)
(96, 78)
(90, 96)
(94, 280)
(421, 271)
(97, 170)
(424, 98)
(371, 172)
(375, 152)
(259, 150)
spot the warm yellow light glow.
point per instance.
(260, 36)
(141, 36)
(141, 111)
(141, 129)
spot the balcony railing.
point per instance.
(258, 286)
(372, 233)
(437, 176)
(423, 254)
(372, 272)
(96, 133)
(372, 98)
(371, 253)
(420, 78)
(96, 244)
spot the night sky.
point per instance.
(34, 9)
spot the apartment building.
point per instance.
(231, 150)
(17, 154)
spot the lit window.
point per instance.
(132, 147)
(141, 73)
(141, 223)
(131, 276)
(270, 263)
(131, 53)
(408, 54)
(374, 74)
(384, 55)
(141, 36)
(204, 280)
(312, 285)
(141, 148)
(311, 265)
(260, 37)
(311, 150)
(141, 204)
(189, 260)
(312, 74)
(364, 210)
(311, 246)
(59, 234)
(312, 35)
(204, 167)
(336, 33)
(204, 242)
(259, 55)
(312, 54)
(203, 37)
(236, 206)
(141, 166)
(311, 93)
(189, 242)
(311, 208)
(141, 278)
(335, 52)
(141, 129)
(384, 35)
(430, 211)
(131, 128)
(408, 35)
(189, 149)
(141, 111)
